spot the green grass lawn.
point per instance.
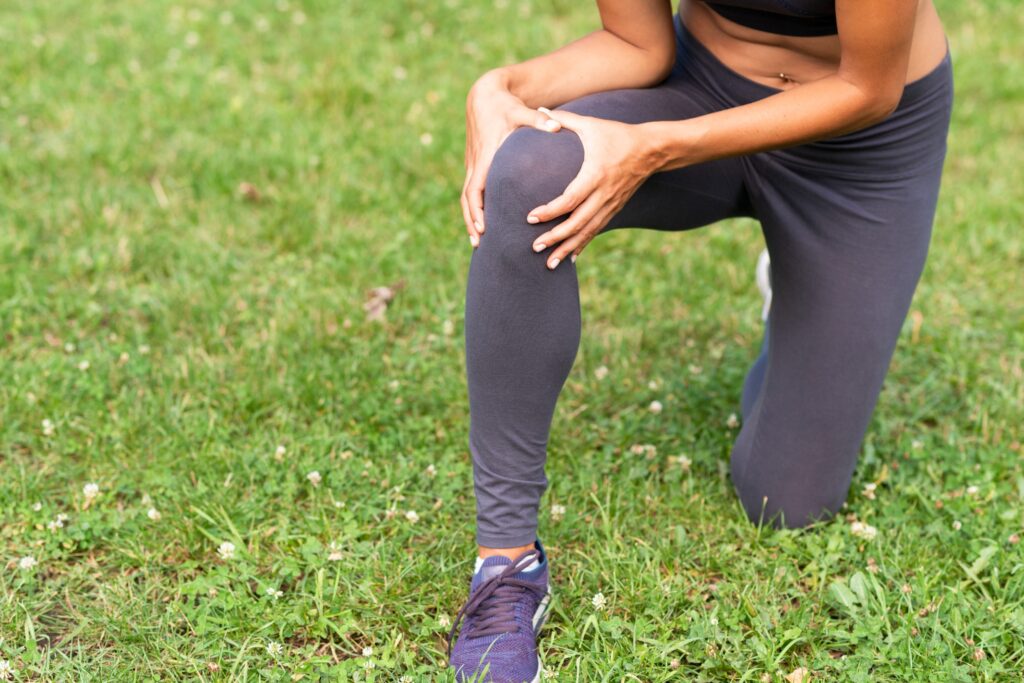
(195, 200)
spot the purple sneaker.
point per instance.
(506, 609)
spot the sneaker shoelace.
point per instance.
(493, 605)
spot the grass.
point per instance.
(199, 349)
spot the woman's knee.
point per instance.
(530, 168)
(778, 495)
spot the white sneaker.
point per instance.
(764, 281)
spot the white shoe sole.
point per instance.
(764, 283)
(540, 617)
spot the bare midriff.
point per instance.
(784, 62)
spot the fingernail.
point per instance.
(539, 246)
(474, 240)
(479, 227)
(553, 264)
(545, 110)
(532, 219)
(551, 124)
(573, 258)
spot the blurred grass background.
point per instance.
(196, 199)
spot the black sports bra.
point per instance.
(786, 17)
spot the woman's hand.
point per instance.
(492, 113)
(616, 161)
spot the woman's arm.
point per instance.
(635, 48)
(875, 37)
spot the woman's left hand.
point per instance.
(616, 161)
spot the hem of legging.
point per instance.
(506, 540)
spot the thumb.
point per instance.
(542, 120)
(566, 119)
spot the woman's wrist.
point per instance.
(668, 145)
(495, 80)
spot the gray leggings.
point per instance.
(847, 223)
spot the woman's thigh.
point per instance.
(533, 167)
(846, 255)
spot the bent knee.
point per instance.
(791, 501)
(530, 168)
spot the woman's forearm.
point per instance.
(813, 111)
(597, 62)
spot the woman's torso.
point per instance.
(762, 56)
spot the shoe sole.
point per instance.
(540, 617)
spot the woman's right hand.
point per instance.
(492, 113)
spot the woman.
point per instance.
(824, 119)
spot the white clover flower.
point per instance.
(869, 490)
(367, 651)
(599, 601)
(444, 621)
(37, 506)
(655, 407)
(431, 471)
(299, 18)
(549, 674)
(226, 18)
(191, 39)
(862, 530)
(335, 554)
(274, 648)
(226, 550)
(274, 593)
(153, 514)
(48, 427)
(27, 562)
(405, 679)
(647, 449)
(916, 445)
(426, 139)
(69, 348)
(412, 516)
(6, 670)
(314, 478)
(601, 372)
(732, 422)
(90, 491)
(61, 517)
(143, 349)
(557, 512)
(262, 24)
(83, 365)
(713, 621)
(683, 461)
(55, 524)
(368, 664)
(279, 453)
(972, 490)
(957, 525)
